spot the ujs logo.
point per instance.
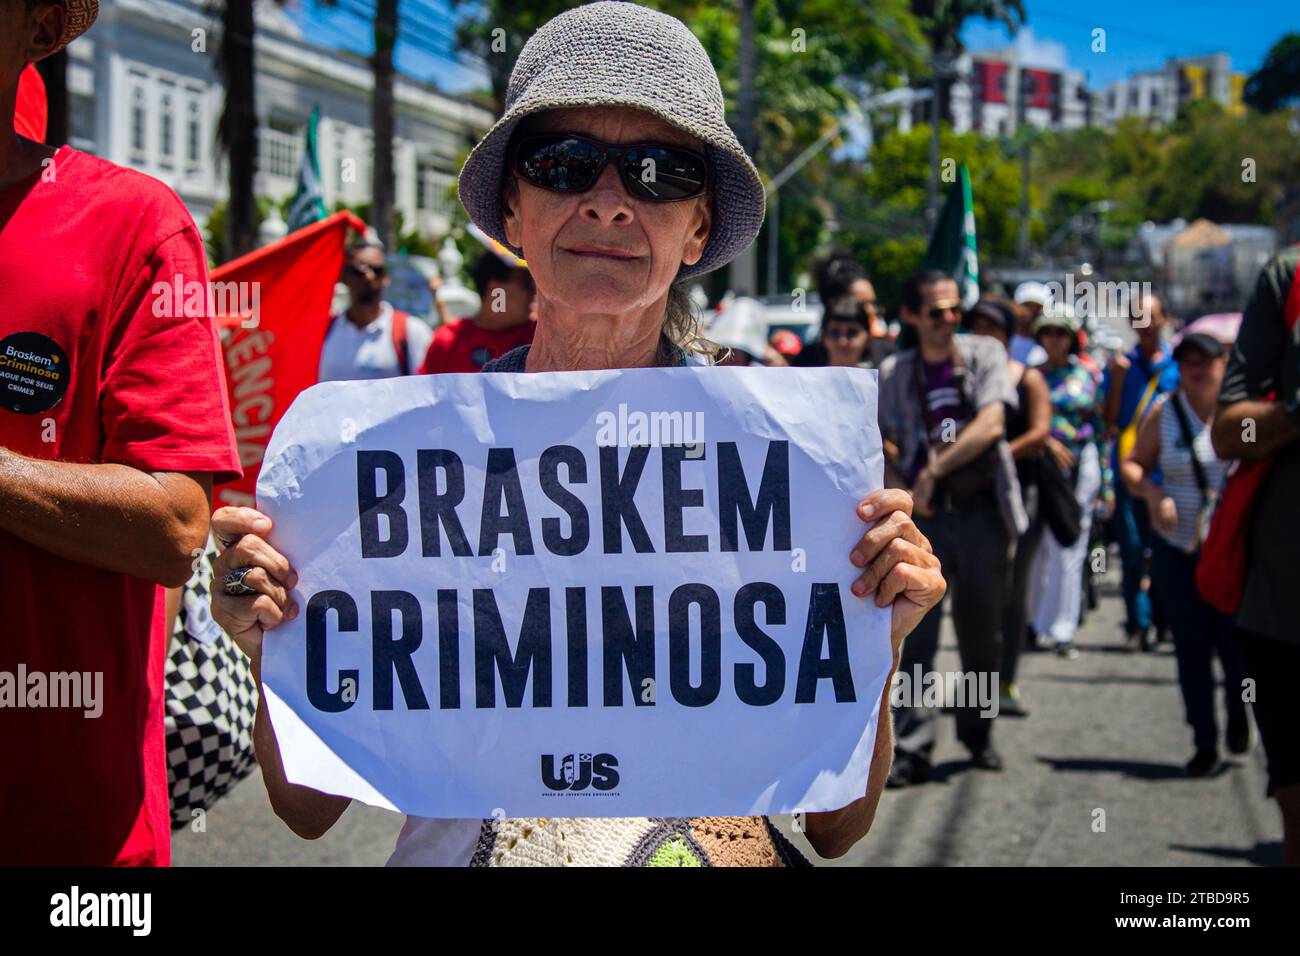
(579, 772)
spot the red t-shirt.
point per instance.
(95, 366)
(461, 346)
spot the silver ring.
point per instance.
(234, 583)
(226, 542)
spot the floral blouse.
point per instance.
(1076, 414)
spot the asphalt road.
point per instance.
(1106, 733)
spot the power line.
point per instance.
(444, 31)
(1092, 24)
(413, 33)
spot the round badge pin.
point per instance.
(34, 373)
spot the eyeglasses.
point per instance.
(847, 332)
(363, 271)
(656, 172)
(939, 311)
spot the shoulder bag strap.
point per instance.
(1176, 399)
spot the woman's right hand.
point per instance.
(1164, 513)
(1064, 457)
(241, 533)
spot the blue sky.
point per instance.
(1140, 34)
(426, 53)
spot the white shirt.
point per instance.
(353, 353)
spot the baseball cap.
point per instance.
(1199, 340)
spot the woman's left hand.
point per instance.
(899, 567)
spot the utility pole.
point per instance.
(1016, 101)
(936, 69)
(781, 178)
(1022, 237)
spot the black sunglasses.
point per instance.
(843, 331)
(565, 163)
(362, 272)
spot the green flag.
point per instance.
(308, 203)
(952, 244)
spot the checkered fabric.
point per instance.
(210, 699)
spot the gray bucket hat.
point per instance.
(621, 54)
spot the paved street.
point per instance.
(1106, 733)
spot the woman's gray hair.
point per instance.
(682, 325)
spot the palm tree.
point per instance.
(383, 187)
(495, 31)
(942, 22)
(237, 127)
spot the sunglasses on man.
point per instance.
(365, 271)
(654, 172)
(939, 311)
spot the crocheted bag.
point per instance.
(634, 841)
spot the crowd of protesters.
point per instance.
(996, 418)
(994, 431)
(1012, 433)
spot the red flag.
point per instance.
(276, 302)
(32, 112)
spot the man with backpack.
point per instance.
(371, 339)
(1258, 420)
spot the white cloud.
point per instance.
(1040, 54)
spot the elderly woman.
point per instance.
(614, 173)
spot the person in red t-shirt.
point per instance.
(113, 427)
(504, 320)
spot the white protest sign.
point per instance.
(619, 593)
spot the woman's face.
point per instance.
(983, 325)
(1200, 373)
(1056, 342)
(604, 251)
(845, 342)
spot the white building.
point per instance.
(992, 94)
(144, 93)
(1156, 95)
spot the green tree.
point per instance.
(881, 207)
(815, 61)
(811, 59)
(1277, 82)
(496, 30)
(942, 22)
